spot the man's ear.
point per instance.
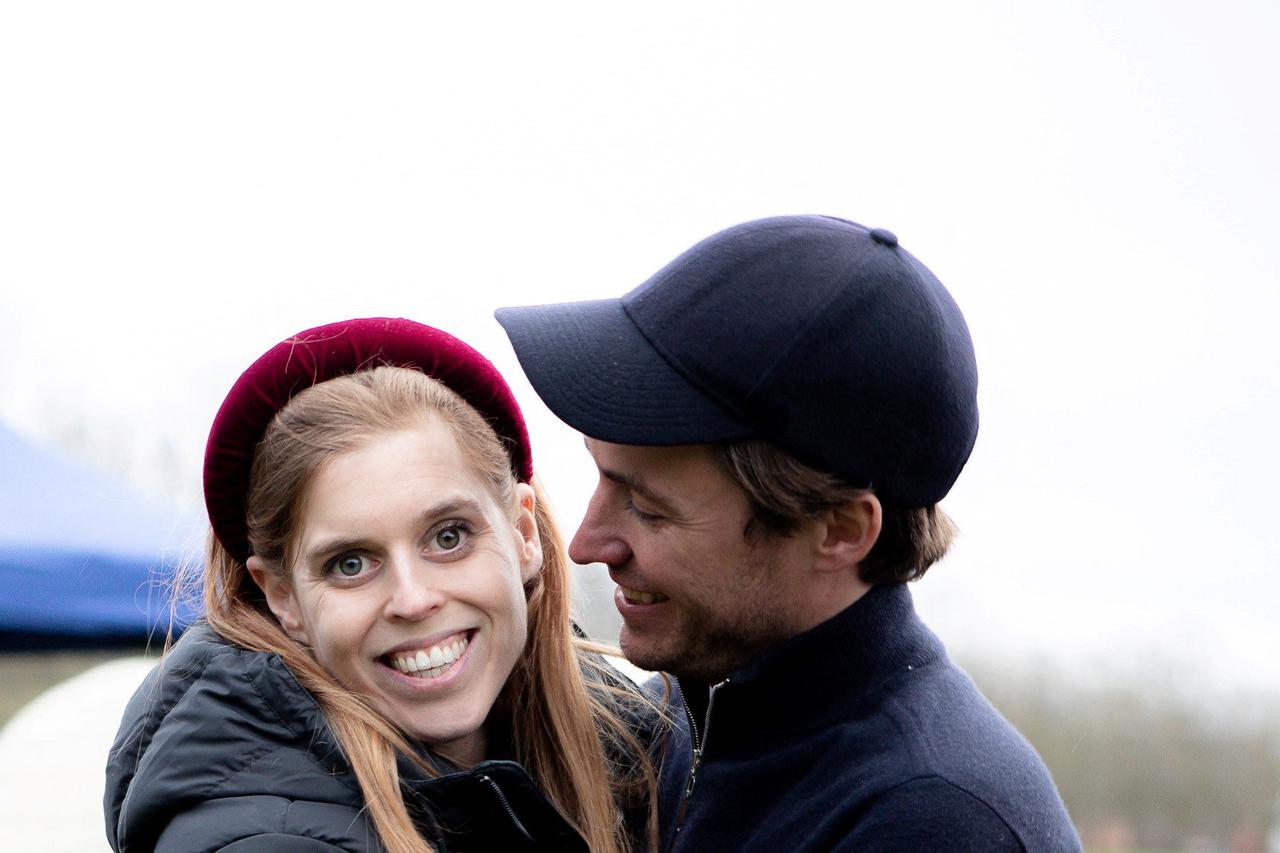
(280, 598)
(530, 544)
(848, 533)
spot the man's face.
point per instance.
(697, 597)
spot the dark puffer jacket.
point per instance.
(222, 749)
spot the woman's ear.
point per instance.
(530, 544)
(280, 598)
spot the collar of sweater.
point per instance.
(820, 674)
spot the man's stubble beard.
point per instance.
(715, 642)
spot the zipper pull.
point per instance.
(688, 790)
(693, 773)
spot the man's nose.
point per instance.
(599, 538)
(412, 595)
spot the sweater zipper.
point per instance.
(502, 798)
(699, 744)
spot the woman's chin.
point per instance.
(463, 745)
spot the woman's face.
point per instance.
(408, 583)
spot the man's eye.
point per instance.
(647, 517)
(450, 537)
(348, 565)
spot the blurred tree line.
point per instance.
(1145, 764)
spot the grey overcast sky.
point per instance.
(182, 185)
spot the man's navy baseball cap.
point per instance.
(816, 334)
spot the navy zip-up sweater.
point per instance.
(861, 735)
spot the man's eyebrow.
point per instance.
(633, 483)
(638, 487)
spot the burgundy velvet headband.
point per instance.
(325, 352)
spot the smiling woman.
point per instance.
(388, 660)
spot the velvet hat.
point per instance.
(325, 352)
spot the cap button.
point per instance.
(884, 237)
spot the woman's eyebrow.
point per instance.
(452, 506)
(447, 507)
(332, 546)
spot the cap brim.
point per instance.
(597, 372)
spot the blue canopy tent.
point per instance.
(84, 560)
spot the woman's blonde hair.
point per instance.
(567, 730)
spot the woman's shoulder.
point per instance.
(214, 721)
(206, 684)
(644, 710)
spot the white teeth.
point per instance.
(638, 597)
(431, 662)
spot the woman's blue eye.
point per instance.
(449, 538)
(349, 565)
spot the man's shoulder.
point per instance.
(903, 733)
(931, 815)
(945, 726)
(926, 814)
(944, 754)
(921, 758)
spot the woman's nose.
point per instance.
(599, 537)
(411, 595)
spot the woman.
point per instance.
(388, 660)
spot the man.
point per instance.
(775, 416)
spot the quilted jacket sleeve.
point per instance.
(250, 824)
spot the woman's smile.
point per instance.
(409, 587)
(437, 666)
(430, 661)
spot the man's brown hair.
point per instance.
(785, 493)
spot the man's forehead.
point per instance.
(658, 459)
(674, 473)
